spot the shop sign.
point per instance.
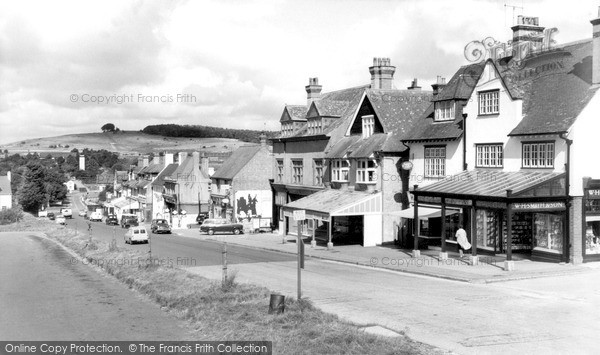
(459, 202)
(490, 204)
(594, 194)
(430, 199)
(538, 206)
(299, 215)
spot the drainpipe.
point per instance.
(464, 141)
(567, 196)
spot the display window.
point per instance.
(548, 232)
(487, 223)
(592, 236)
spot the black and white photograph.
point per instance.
(299, 177)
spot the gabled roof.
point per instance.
(152, 169)
(330, 108)
(167, 171)
(185, 169)
(234, 164)
(5, 186)
(294, 113)
(462, 83)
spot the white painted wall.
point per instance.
(264, 201)
(585, 134)
(5, 201)
(372, 230)
(454, 163)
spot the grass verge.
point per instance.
(235, 312)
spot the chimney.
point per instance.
(145, 161)
(181, 157)
(382, 74)
(156, 159)
(439, 85)
(596, 50)
(168, 158)
(140, 161)
(414, 86)
(263, 140)
(196, 159)
(313, 91)
(204, 164)
(527, 36)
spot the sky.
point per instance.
(71, 66)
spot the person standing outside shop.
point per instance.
(463, 242)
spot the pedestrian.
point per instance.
(463, 242)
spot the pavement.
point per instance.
(489, 269)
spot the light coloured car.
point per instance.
(96, 216)
(82, 213)
(66, 212)
(60, 219)
(136, 234)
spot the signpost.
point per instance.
(299, 217)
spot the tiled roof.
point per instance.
(236, 162)
(5, 186)
(296, 112)
(330, 108)
(185, 169)
(489, 183)
(462, 83)
(167, 171)
(553, 100)
(426, 129)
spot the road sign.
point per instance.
(299, 215)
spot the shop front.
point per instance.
(503, 213)
(591, 220)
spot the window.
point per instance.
(318, 174)
(339, 170)
(365, 172)
(297, 171)
(368, 126)
(538, 155)
(488, 155)
(444, 110)
(315, 126)
(435, 162)
(280, 170)
(489, 102)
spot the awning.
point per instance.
(334, 202)
(592, 218)
(423, 212)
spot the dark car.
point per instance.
(129, 221)
(51, 216)
(220, 225)
(112, 220)
(201, 217)
(160, 226)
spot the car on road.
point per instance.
(160, 226)
(60, 219)
(51, 216)
(136, 234)
(96, 216)
(66, 212)
(201, 217)
(129, 220)
(112, 219)
(43, 213)
(83, 214)
(220, 225)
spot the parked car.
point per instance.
(129, 220)
(96, 216)
(60, 219)
(43, 213)
(220, 225)
(66, 212)
(83, 214)
(136, 234)
(111, 219)
(51, 216)
(160, 226)
(201, 217)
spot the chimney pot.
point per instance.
(313, 91)
(382, 74)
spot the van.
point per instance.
(136, 234)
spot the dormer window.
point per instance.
(444, 110)
(368, 126)
(315, 126)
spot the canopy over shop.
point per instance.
(502, 212)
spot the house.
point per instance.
(240, 188)
(5, 192)
(340, 162)
(505, 148)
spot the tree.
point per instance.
(109, 127)
(32, 192)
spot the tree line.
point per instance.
(196, 131)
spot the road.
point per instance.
(45, 297)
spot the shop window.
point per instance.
(339, 170)
(280, 170)
(489, 155)
(488, 229)
(444, 110)
(297, 171)
(435, 162)
(489, 102)
(538, 155)
(318, 173)
(366, 171)
(548, 232)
